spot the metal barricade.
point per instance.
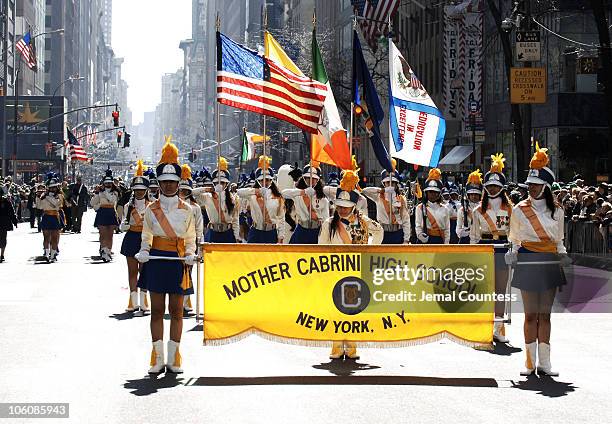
(588, 238)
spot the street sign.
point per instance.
(528, 46)
(527, 85)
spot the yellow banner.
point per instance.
(386, 295)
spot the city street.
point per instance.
(66, 338)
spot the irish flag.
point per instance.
(330, 145)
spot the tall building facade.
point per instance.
(30, 17)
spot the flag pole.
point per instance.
(351, 130)
(265, 157)
(389, 40)
(217, 114)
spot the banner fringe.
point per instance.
(327, 343)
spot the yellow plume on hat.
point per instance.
(434, 174)
(354, 165)
(349, 181)
(417, 190)
(497, 162)
(169, 152)
(264, 161)
(475, 177)
(314, 163)
(222, 164)
(139, 168)
(393, 164)
(185, 172)
(540, 158)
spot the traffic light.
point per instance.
(358, 110)
(115, 118)
(192, 156)
(126, 140)
(119, 135)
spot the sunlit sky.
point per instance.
(146, 33)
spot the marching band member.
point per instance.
(286, 178)
(432, 218)
(50, 202)
(153, 193)
(536, 233)
(491, 223)
(185, 194)
(168, 230)
(332, 181)
(331, 190)
(8, 219)
(104, 203)
(266, 205)
(473, 190)
(311, 205)
(453, 205)
(348, 226)
(222, 207)
(132, 224)
(391, 208)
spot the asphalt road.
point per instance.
(65, 338)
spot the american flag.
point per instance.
(375, 14)
(28, 51)
(248, 81)
(76, 150)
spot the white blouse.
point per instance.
(319, 206)
(139, 205)
(273, 205)
(400, 214)
(521, 229)
(50, 202)
(180, 219)
(207, 199)
(440, 214)
(104, 198)
(375, 231)
(469, 215)
(499, 216)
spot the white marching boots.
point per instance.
(133, 303)
(105, 254)
(499, 332)
(187, 303)
(544, 367)
(530, 359)
(157, 358)
(47, 255)
(52, 255)
(174, 358)
(144, 304)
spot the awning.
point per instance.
(457, 155)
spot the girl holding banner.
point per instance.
(132, 225)
(185, 194)
(348, 226)
(432, 218)
(491, 223)
(168, 248)
(538, 253)
(391, 208)
(104, 203)
(311, 205)
(266, 206)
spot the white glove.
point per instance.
(565, 259)
(423, 238)
(218, 188)
(264, 191)
(389, 191)
(142, 256)
(511, 257)
(310, 192)
(190, 260)
(124, 226)
(465, 232)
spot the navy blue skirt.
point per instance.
(216, 237)
(159, 276)
(454, 239)
(131, 243)
(50, 222)
(393, 237)
(303, 235)
(432, 240)
(464, 240)
(259, 236)
(106, 216)
(537, 278)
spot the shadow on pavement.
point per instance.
(545, 386)
(344, 368)
(370, 380)
(502, 349)
(128, 315)
(152, 384)
(198, 327)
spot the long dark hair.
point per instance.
(273, 188)
(229, 202)
(504, 198)
(333, 226)
(301, 184)
(551, 203)
(288, 218)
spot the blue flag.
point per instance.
(364, 95)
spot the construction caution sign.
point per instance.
(379, 295)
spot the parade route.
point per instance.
(66, 339)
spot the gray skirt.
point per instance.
(537, 278)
